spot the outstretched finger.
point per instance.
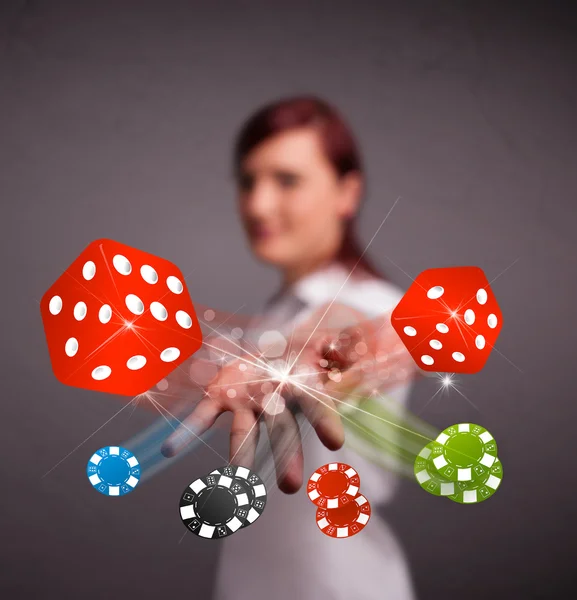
(244, 434)
(202, 418)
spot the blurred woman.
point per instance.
(300, 182)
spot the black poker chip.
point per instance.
(256, 489)
(215, 506)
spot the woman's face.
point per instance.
(292, 202)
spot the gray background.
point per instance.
(116, 120)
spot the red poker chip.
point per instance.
(333, 485)
(346, 520)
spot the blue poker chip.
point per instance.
(113, 471)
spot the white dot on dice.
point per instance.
(469, 316)
(435, 292)
(88, 270)
(170, 354)
(481, 296)
(134, 304)
(136, 362)
(458, 356)
(410, 331)
(101, 372)
(148, 274)
(71, 347)
(80, 311)
(183, 319)
(492, 321)
(122, 264)
(435, 344)
(442, 328)
(174, 284)
(104, 314)
(55, 305)
(427, 360)
(158, 311)
(480, 342)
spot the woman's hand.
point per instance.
(322, 363)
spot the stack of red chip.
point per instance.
(342, 510)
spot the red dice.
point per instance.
(118, 320)
(449, 320)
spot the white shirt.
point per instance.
(283, 555)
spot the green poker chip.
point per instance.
(465, 452)
(473, 492)
(428, 477)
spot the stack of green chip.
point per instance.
(460, 464)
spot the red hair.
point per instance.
(337, 140)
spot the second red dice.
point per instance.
(449, 320)
(118, 320)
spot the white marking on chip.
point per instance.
(88, 270)
(488, 460)
(122, 264)
(80, 310)
(158, 311)
(440, 462)
(482, 296)
(132, 461)
(134, 304)
(136, 362)
(113, 490)
(132, 481)
(174, 284)
(442, 438)
(435, 344)
(114, 451)
(493, 482)
(234, 524)
(469, 316)
(323, 523)
(492, 321)
(442, 328)
(206, 531)
(95, 458)
(225, 481)
(333, 467)
(259, 490)
(187, 512)
(361, 500)
(252, 516)
(242, 472)
(350, 472)
(101, 372)
(447, 489)
(411, 331)
(313, 495)
(342, 532)
(423, 476)
(148, 274)
(458, 356)
(435, 292)
(464, 474)
(480, 342)
(464, 427)
(425, 452)
(332, 503)
(94, 479)
(169, 354)
(104, 314)
(485, 437)
(427, 360)
(469, 496)
(71, 347)
(55, 305)
(183, 319)
(352, 491)
(197, 486)
(242, 499)
(363, 519)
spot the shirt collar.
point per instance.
(320, 286)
